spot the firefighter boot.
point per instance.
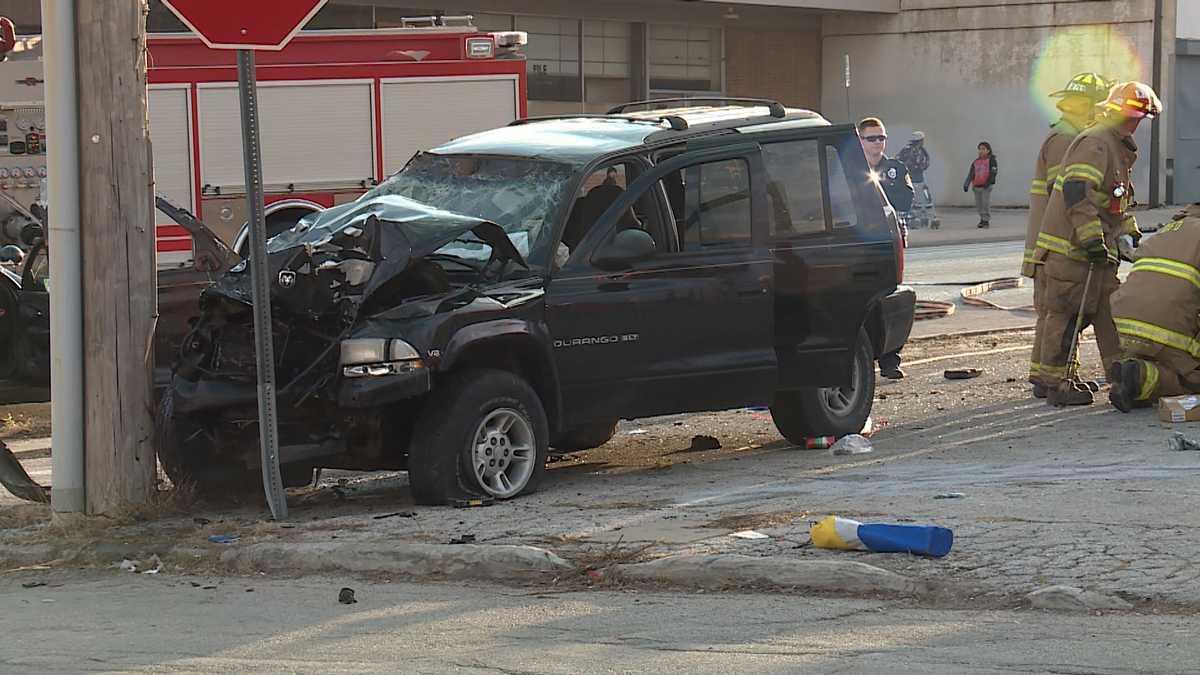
(1127, 383)
(1069, 393)
(1040, 390)
(1091, 385)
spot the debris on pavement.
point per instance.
(464, 539)
(33, 584)
(636, 432)
(397, 514)
(962, 373)
(156, 565)
(472, 502)
(128, 565)
(701, 443)
(750, 534)
(224, 538)
(950, 495)
(1179, 442)
(844, 534)
(819, 443)
(201, 521)
(854, 444)
(346, 596)
(1179, 408)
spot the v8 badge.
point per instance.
(287, 279)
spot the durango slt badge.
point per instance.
(599, 340)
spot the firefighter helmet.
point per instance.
(1095, 87)
(1133, 99)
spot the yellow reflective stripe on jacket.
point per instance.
(1060, 246)
(1150, 383)
(1169, 267)
(1038, 187)
(1157, 334)
(1084, 171)
(1030, 256)
(1052, 172)
(1058, 183)
(1090, 230)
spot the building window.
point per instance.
(684, 58)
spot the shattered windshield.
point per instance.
(520, 195)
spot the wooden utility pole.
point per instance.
(116, 220)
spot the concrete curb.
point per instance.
(466, 561)
(993, 239)
(726, 570)
(970, 333)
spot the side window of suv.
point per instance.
(795, 203)
(715, 206)
(841, 196)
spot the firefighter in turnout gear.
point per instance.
(1157, 313)
(1077, 244)
(1077, 103)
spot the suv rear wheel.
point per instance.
(829, 411)
(482, 432)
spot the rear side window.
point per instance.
(841, 197)
(795, 204)
(716, 208)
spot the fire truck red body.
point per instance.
(340, 111)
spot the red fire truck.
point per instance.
(340, 111)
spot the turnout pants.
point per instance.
(1062, 292)
(1165, 371)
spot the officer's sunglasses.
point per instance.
(875, 139)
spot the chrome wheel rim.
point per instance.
(503, 452)
(841, 401)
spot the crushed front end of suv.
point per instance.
(524, 288)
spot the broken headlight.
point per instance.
(373, 357)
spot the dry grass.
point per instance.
(15, 426)
(176, 501)
(754, 521)
(24, 420)
(24, 515)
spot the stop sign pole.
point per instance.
(264, 347)
(247, 26)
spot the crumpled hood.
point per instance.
(388, 231)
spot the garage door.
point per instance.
(1187, 144)
(170, 137)
(421, 113)
(315, 135)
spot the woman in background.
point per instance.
(981, 176)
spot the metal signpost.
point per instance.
(245, 26)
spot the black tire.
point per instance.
(586, 437)
(813, 412)
(440, 466)
(187, 457)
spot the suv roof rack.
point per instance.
(777, 109)
(676, 122)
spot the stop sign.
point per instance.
(245, 24)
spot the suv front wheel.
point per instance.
(829, 411)
(483, 432)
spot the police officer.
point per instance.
(1077, 102)
(1077, 246)
(1157, 314)
(892, 176)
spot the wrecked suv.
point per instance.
(524, 288)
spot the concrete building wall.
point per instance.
(1188, 20)
(969, 73)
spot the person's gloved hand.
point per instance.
(1127, 248)
(1097, 253)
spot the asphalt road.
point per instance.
(119, 622)
(940, 272)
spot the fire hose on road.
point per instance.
(971, 294)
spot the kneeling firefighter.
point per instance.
(1157, 314)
